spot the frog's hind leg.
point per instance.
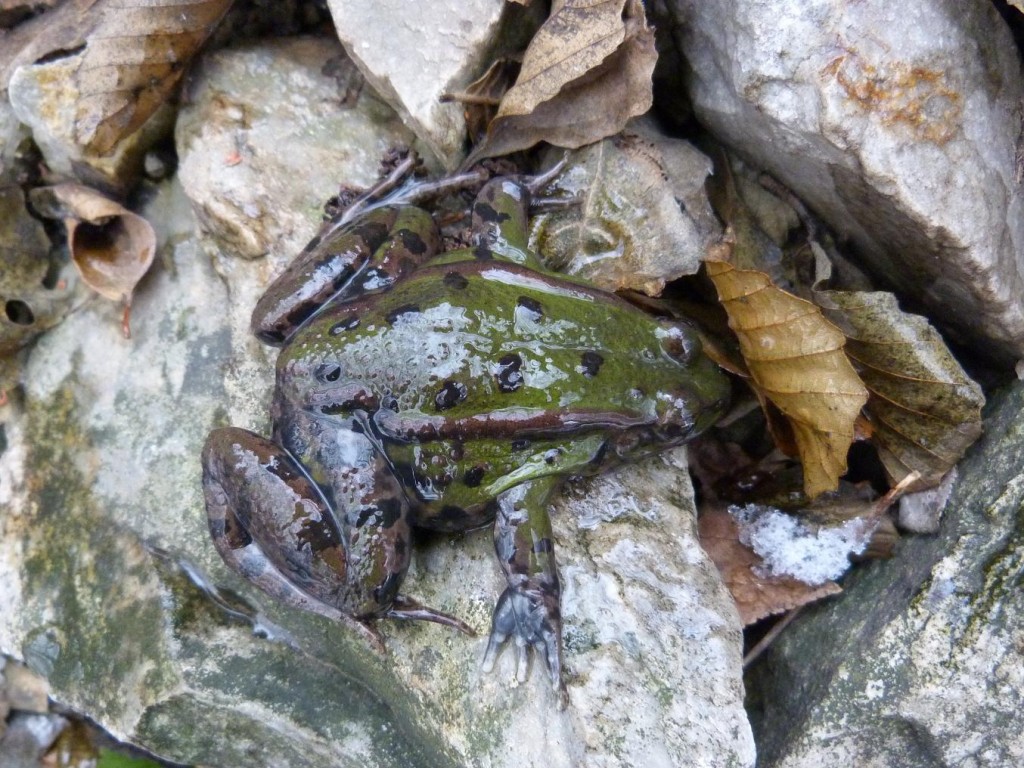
(405, 607)
(529, 609)
(249, 483)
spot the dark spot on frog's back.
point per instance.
(451, 394)
(509, 373)
(373, 232)
(412, 242)
(405, 309)
(531, 305)
(487, 212)
(455, 281)
(590, 364)
(473, 477)
(482, 253)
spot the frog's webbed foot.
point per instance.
(407, 608)
(528, 611)
(531, 616)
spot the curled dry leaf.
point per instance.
(133, 59)
(586, 72)
(111, 247)
(756, 596)
(628, 230)
(796, 361)
(923, 407)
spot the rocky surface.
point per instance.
(413, 53)
(897, 125)
(105, 555)
(918, 663)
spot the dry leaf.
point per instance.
(923, 407)
(756, 596)
(111, 247)
(586, 72)
(482, 97)
(796, 360)
(628, 230)
(134, 58)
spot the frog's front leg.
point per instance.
(529, 609)
(364, 256)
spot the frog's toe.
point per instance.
(532, 621)
(405, 607)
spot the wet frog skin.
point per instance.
(442, 391)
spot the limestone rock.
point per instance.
(105, 557)
(897, 124)
(918, 662)
(412, 53)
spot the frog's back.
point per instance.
(477, 337)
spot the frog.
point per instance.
(419, 388)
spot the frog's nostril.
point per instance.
(328, 372)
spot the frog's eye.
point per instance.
(680, 342)
(328, 372)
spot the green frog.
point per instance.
(441, 390)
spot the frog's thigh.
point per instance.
(268, 521)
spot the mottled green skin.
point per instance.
(441, 391)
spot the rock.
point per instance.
(44, 97)
(108, 566)
(13, 138)
(898, 125)
(28, 737)
(269, 132)
(413, 53)
(918, 662)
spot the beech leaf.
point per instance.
(586, 72)
(923, 407)
(796, 361)
(111, 247)
(628, 230)
(755, 593)
(135, 57)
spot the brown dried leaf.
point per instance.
(756, 596)
(796, 360)
(483, 95)
(586, 72)
(628, 230)
(111, 247)
(923, 407)
(134, 58)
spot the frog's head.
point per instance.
(701, 394)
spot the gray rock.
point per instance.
(897, 124)
(105, 556)
(918, 662)
(412, 53)
(45, 97)
(269, 132)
